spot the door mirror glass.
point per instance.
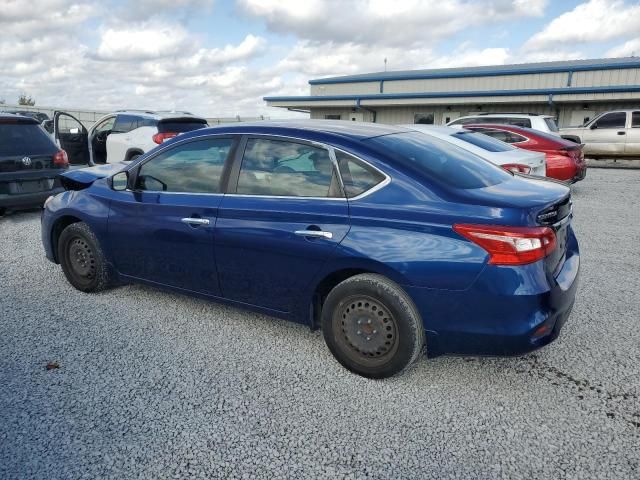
(120, 181)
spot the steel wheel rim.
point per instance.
(81, 258)
(366, 330)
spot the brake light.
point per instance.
(516, 167)
(60, 159)
(510, 245)
(161, 137)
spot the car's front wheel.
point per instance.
(81, 258)
(372, 327)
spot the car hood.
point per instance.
(80, 178)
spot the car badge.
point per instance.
(26, 161)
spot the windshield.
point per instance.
(483, 141)
(440, 161)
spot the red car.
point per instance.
(565, 159)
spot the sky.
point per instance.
(219, 58)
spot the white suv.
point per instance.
(544, 123)
(119, 136)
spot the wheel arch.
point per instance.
(56, 230)
(131, 152)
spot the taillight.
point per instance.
(510, 245)
(161, 137)
(60, 159)
(516, 167)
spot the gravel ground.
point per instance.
(156, 385)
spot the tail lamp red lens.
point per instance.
(510, 245)
(60, 159)
(517, 167)
(161, 137)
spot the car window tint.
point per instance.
(125, 123)
(147, 122)
(357, 176)
(440, 161)
(612, 120)
(635, 120)
(551, 123)
(194, 167)
(483, 141)
(282, 168)
(502, 135)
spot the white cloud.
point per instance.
(24, 21)
(384, 22)
(593, 21)
(632, 47)
(144, 42)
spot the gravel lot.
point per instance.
(156, 385)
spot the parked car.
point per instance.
(29, 163)
(486, 147)
(565, 159)
(387, 238)
(611, 133)
(42, 118)
(119, 136)
(543, 123)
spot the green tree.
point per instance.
(25, 99)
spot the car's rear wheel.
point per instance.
(372, 327)
(82, 260)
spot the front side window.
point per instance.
(284, 168)
(357, 177)
(635, 120)
(194, 167)
(551, 124)
(611, 120)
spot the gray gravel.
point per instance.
(155, 385)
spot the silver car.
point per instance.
(614, 133)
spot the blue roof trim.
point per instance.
(481, 93)
(489, 72)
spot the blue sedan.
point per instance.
(393, 242)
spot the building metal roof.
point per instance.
(488, 71)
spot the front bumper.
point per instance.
(507, 311)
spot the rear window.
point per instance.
(440, 161)
(483, 141)
(25, 139)
(181, 125)
(551, 123)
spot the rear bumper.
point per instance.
(507, 311)
(16, 188)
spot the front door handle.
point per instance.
(314, 234)
(195, 221)
(621, 133)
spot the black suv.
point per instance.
(29, 163)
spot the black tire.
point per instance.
(372, 327)
(134, 156)
(82, 260)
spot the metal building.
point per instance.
(572, 91)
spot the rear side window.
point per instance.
(194, 167)
(283, 168)
(483, 141)
(357, 176)
(125, 123)
(25, 139)
(440, 161)
(551, 123)
(635, 120)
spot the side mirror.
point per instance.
(593, 126)
(120, 181)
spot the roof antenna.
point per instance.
(385, 64)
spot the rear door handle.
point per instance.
(195, 221)
(621, 133)
(314, 234)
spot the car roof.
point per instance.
(335, 128)
(18, 118)
(438, 130)
(157, 115)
